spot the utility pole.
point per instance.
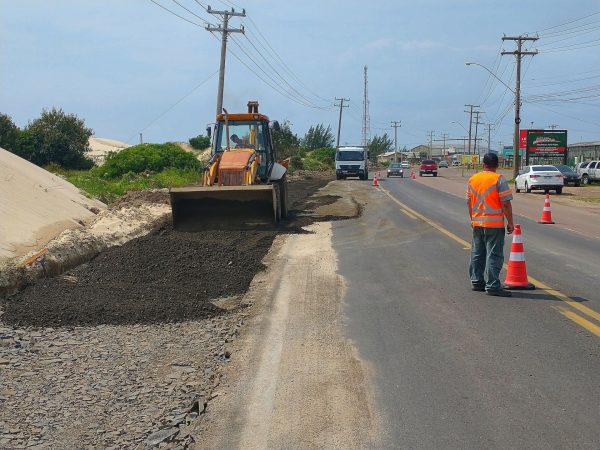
(341, 105)
(224, 30)
(395, 125)
(519, 53)
(489, 125)
(477, 122)
(470, 122)
(141, 138)
(366, 120)
(430, 142)
(444, 136)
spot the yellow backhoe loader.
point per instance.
(243, 183)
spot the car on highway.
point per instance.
(542, 177)
(428, 166)
(395, 169)
(443, 164)
(405, 165)
(455, 163)
(570, 175)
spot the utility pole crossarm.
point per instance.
(522, 53)
(520, 38)
(231, 12)
(226, 30)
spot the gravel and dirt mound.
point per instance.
(167, 276)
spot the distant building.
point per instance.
(584, 151)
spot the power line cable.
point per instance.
(278, 73)
(191, 12)
(269, 48)
(175, 104)
(175, 14)
(299, 98)
(567, 23)
(571, 45)
(275, 86)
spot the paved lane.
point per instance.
(454, 368)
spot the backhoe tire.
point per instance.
(283, 190)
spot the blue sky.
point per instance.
(128, 66)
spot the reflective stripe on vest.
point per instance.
(486, 207)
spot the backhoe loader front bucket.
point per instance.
(231, 207)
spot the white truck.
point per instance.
(589, 171)
(351, 162)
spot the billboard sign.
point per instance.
(547, 143)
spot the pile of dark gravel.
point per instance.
(167, 276)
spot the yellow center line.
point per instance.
(553, 292)
(579, 320)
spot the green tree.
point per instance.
(318, 137)
(379, 145)
(8, 132)
(56, 137)
(286, 143)
(200, 142)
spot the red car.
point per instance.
(428, 166)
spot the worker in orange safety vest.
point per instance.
(488, 198)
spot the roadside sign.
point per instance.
(546, 145)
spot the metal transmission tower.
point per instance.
(341, 105)
(224, 30)
(470, 111)
(366, 129)
(519, 53)
(395, 125)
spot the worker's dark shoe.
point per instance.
(478, 288)
(499, 293)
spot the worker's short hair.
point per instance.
(490, 159)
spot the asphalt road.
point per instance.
(453, 368)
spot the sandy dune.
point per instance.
(35, 206)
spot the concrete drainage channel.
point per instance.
(124, 349)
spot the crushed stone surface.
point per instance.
(126, 350)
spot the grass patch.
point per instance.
(107, 190)
(588, 199)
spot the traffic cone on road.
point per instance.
(516, 275)
(546, 213)
(375, 182)
(412, 174)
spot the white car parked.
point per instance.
(539, 177)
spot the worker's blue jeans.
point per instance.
(487, 257)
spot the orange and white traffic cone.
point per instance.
(412, 174)
(375, 182)
(546, 213)
(516, 275)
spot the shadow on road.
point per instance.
(543, 296)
